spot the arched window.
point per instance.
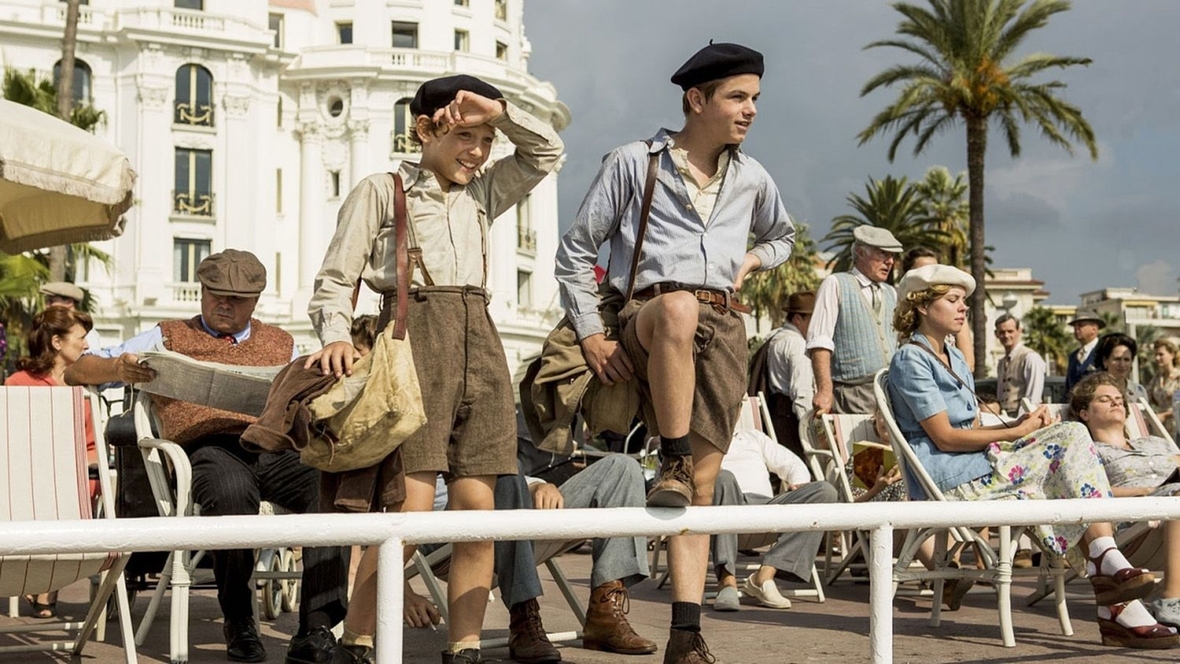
(403, 122)
(81, 83)
(194, 96)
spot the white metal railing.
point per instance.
(392, 531)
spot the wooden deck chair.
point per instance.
(997, 564)
(45, 477)
(435, 566)
(171, 479)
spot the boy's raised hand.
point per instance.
(468, 110)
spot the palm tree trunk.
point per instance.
(976, 149)
(65, 110)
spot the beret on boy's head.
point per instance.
(718, 61)
(436, 93)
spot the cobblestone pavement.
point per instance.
(835, 631)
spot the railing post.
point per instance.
(391, 576)
(881, 594)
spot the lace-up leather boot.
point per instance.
(607, 627)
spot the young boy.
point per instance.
(466, 389)
(682, 336)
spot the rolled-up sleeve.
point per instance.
(538, 150)
(822, 329)
(578, 250)
(774, 234)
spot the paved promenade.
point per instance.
(835, 631)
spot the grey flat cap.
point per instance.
(63, 289)
(881, 238)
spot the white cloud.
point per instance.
(1156, 278)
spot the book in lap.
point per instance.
(229, 387)
(869, 461)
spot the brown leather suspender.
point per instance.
(649, 187)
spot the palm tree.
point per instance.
(58, 256)
(893, 204)
(945, 202)
(967, 71)
(766, 291)
(1047, 336)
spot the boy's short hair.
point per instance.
(364, 331)
(708, 88)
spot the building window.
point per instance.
(279, 112)
(334, 183)
(274, 22)
(278, 191)
(526, 237)
(501, 51)
(186, 256)
(81, 82)
(502, 10)
(194, 96)
(524, 288)
(194, 179)
(403, 122)
(462, 41)
(344, 32)
(199, 5)
(405, 35)
(458, 3)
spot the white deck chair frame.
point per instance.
(998, 564)
(51, 449)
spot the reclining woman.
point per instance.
(1142, 467)
(935, 406)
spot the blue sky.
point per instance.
(1081, 225)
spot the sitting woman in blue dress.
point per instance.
(934, 403)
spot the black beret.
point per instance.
(434, 94)
(718, 61)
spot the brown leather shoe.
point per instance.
(607, 628)
(674, 486)
(527, 642)
(685, 647)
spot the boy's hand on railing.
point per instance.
(546, 496)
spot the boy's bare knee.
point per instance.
(679, 312)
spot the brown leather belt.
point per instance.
(719, 299)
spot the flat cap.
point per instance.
(1087, 316)
(921, 278)
(436, 93)
(718, 61)
(872, 236)
(232, 273)
(802, 302)
(63, 289)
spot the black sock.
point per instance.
(678, 446)
(686, 616)
(314, 619)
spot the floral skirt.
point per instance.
(1059, 461)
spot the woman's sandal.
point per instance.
(1126, 585)
(1147, 637)
(44, 611)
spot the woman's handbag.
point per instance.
(364, 417)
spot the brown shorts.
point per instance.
(467, 391)
(720, 355)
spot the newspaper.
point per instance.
(229, 387)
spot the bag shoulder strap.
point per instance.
(403, 257)
(962, 383)
(649, 187)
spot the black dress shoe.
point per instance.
(241, 641)
(353, 655)
(317, 647)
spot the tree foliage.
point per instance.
(967, 72)
(944, 199)
(1047, 336)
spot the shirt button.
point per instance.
(688, 206)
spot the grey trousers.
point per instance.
(854, 399)
(613, 481)
(793, 553)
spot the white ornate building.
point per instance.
(249, 121)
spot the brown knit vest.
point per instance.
(185, 422)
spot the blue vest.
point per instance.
(863, 343)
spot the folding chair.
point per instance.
(997, 564)
(171, 479)
(43, 437)
(434, 566)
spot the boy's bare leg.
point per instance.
(688, 555)
(362, 607)
(471, 572)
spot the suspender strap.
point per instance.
(403, 257)
(649, 187)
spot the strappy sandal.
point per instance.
(1147, 637)
(1126, 585)
(42, 610)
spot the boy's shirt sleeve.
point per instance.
(538, 151)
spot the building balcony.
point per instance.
(184, 292)
(192, 203)
(317, 61)
(526, 240)
(190, 26)
(193, 114)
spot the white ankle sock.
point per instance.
(1112, 562)
(1134, 614)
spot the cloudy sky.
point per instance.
(1081, 225)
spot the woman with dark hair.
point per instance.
(1033, 458)
(56, 340)
(921, 257)
(1115, 353)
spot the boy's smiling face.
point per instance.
(456, 156)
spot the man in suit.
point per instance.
(1086, 325)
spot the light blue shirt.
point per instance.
(679, 247)
(921, 387)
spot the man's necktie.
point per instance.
(876, 289)
(228, 338)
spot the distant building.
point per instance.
(1137, 309)
(248, 123)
